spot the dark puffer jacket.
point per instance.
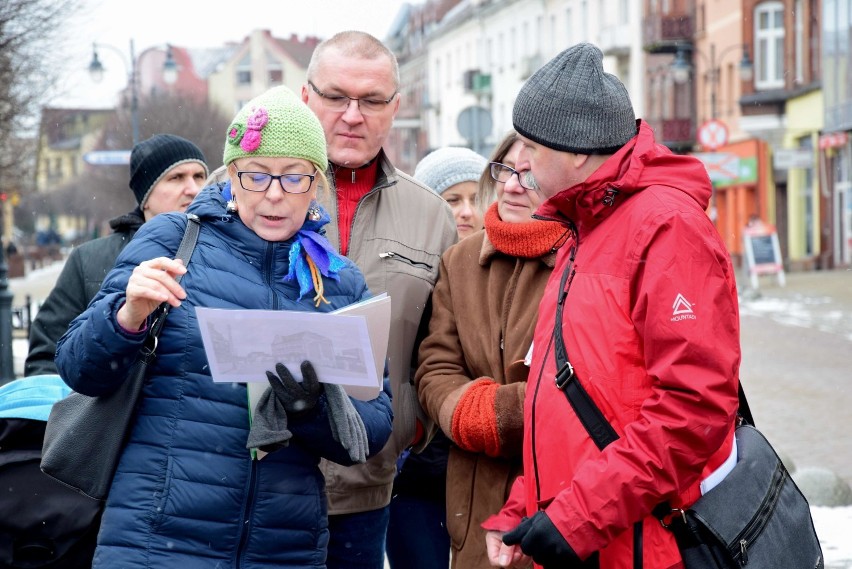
(79, 281)
(186, 493)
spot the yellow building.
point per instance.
(799, 156)
(65, 135)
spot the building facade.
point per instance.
(259, 62)
(835, 143)
(473, 56)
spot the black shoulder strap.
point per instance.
(184, 253)
(584, 406)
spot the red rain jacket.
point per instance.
(651, 326)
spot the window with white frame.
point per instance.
(244, 70)
(274, 69)
(769, 45)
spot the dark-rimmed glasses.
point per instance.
(502, 173)
(261, 181)
(340, 103)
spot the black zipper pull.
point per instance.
(743, 553)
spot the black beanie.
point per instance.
(151, 159)
(572, 105)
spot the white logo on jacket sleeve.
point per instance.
(682, 309)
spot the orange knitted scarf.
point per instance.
(528, 239)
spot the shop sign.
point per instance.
(721, 166)
(833, 140)
(787, 158)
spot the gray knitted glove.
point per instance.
(347, 428)
(269, 430)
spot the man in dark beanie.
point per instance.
(643, 305)
(166, 158)
(166, 172)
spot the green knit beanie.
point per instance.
(276, 123)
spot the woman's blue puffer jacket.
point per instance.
(186, 493)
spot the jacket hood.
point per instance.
(638, 165)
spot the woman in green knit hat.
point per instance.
(188, 493)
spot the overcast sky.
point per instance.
(193, 23)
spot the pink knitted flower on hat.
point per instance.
(254, 124)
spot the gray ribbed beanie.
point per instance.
(448, 166)
(572, 105)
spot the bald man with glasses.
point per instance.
(395, 229)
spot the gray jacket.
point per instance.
(399, 232)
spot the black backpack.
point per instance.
(43, 524)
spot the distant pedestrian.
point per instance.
(642, 303)
(166, 172)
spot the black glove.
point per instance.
(297, 398)
(540, 539)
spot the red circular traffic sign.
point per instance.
(713, 134)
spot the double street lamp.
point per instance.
(681, 68)
(97, 69)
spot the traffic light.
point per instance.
(4, 196)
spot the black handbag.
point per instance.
(85, 435)
(756, 517)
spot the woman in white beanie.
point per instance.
(453, 173)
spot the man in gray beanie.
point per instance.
(166, 173)
(638, 325)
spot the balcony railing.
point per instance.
(677, 134)
(662, 33)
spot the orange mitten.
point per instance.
(475, 419)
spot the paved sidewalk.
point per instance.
(815, 299)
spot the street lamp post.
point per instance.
(7, 369)
(681, 68)
(170, 67)
(96, 71)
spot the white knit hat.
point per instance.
(448, 166)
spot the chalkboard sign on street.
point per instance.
(762, 252)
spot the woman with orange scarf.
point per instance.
(472, 374)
